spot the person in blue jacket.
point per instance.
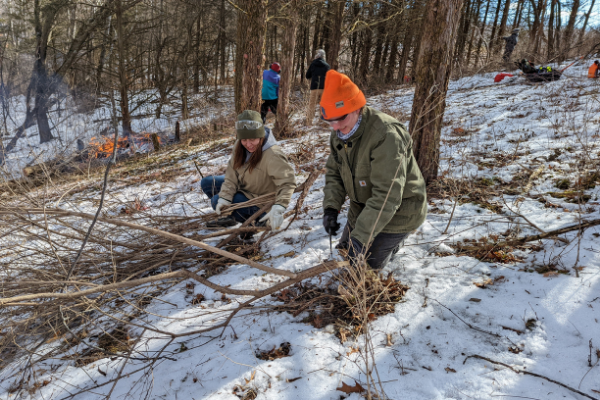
(270, 90)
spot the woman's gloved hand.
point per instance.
(274, 217)
(330, 221)
(220, 204)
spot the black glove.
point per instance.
(330, 221)
(354, 249)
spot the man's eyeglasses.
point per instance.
(248, 124)
(336, 120)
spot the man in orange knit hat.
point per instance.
(372, 163)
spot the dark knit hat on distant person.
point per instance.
(249, 125)
(340, 96)
(276, 67)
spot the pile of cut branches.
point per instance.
(54, 308)
(343, 299)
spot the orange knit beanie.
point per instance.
(340, 96)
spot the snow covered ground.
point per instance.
(527, 139)
(69, 123)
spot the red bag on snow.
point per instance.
(501, 76)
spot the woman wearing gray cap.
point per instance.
(257, 167)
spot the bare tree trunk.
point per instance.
(463, 31)
(494, 26)
(356, 9)
(316, 35)
(391, 64)
(102, 60)
(40, 74)
(518, 12)
(551, 30)
(538, 15)
(503, 23)
(306, 56)
(252, 24)
(365, 53)
(197, 56)
(288, 46)
(433, 74)
(183, 81)
(480, 42)
(570, 27)
(475, 18)
(123, 77)
(381, 35)
(411, 35)
(585, 22)
(336, 33)
(558, 35)
(324, 39)
(222, 41)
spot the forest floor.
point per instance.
(517, 159)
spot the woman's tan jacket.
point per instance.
(273, 173)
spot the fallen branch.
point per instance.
(520, 371)
(468, 324)
(181, 274)
(532, 238)
(159, 232)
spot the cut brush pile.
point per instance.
(345, 300)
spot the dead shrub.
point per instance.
(336, 301)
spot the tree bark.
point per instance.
(410, 37)
(570, 28)
(197, 55)
(391, 64)
(356, 10)
(252, 23)
(222, 41)
(558, 35)
(503, 22)
(43, 24)
(585, 22)
(365, 53)
(538, 13)
(480, 42)
(475, 17)
(493, 34)
(433, 74)
(551, 30)
(380, 37)
(123, 76)
(336, 33)
(316, 35)
(463, 31)
(289, 29)
(517, 19)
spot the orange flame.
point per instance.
(104, 147)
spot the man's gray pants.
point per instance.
(382, 250)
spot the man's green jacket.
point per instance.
(377, 170)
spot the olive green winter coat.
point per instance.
(273, 173)
(377, 170)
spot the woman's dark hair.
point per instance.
(239, 156)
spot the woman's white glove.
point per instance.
(275, 216)
(220, 204)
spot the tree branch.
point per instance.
(520, 371)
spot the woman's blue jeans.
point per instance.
(211, 186)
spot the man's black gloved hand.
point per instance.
(330, 221)
(354, 249)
